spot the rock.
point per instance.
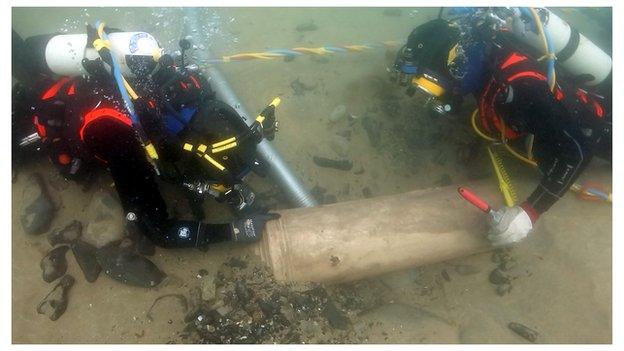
(208, 287)
(242, 292)
(55, 303)
(300, 88)
(465, 269)
(306, 27)
(503, 289)
(334, 316)
(129, 267)
(106, 220)
(223, 310)
(37, 209)
(67, 235)
(338, 113)
(85, 255)
(343, 164)
(366, 192)
(168, 309)
(497, 277)
(54, 264)
(400, 323)
(524, 331)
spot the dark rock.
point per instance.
(269, 307)
(236, 263)
(334, 316)
(242, 292)
(343, 165)
(318, 192)
(67, 235)
(307, 27)
(54, 264)
(85, 255)
(497, 277)
(181, 299)
(37, 209)
(55, 303)
(524, 331)
(300, 88)
(503, 289)
(129, 267)
(367, 193)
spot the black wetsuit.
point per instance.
(568, 132)
(65, 120)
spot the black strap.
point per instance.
(571, 46)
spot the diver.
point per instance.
(112, 98)
(476, 55)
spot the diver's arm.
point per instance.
(560, 150)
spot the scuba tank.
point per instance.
(64, 54)
(576, 54)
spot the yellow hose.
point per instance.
(473, 120)
(503, 139)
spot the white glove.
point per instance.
(510, 226)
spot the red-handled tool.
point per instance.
(481, 204)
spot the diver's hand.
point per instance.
(250, 229)
(512, 226)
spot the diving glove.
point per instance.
(248, 230)
(512, 226)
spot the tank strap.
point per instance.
(570, 48)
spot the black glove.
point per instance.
(250, 229)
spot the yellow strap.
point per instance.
(226, 141)
(223, 148)
(151, 151)
(214, 162)
(188, 147)
(98, 44)
(260, 119)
